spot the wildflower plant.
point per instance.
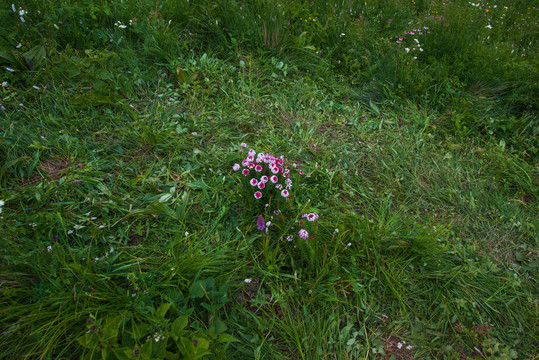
(267, 187)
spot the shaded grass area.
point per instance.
(122, 211)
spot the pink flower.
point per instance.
(260, 222)
(251, 165)
(243, 145)
(245, 172)
(245, 162)
(274, 179)
(279, 186)
(289, 237)
(285, 193)
(252, 153)
(261, 185)
(312, 216)
(264, 179)
(236, 167)
(303, 234)
(250, 158)
(301, 172)
(275, 169)
(253, 182)
(258, 195)
(258, 168)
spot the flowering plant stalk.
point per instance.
(268, 187)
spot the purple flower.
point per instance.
(260, 223)
(303, 234)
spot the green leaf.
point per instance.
(179, 324)
(162, 310)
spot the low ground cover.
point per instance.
(389, 210)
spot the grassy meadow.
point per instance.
(398, 217)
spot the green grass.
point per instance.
(126, 234)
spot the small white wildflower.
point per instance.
(13, 8)
(56, 27)
(10, 69)
(36, 87)
(489, 26)
(22, 19)
(409, 347)
(248, 281)
(93, 218)
(399, 345)
(343, 34)
(407, 50)
(18, 46)
(2, 203)
(4, 84)
(122, 26)
(348, 245)
(186, 233)
(69, 232)
(133, 295)
(49, 248)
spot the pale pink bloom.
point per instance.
(285, 193)
(279, 186)
(258, 168)
(312, 216)
(251, 165)
(252, 153)
(245, 162)
(303, 234)
(253, 182)
(258, 195)
(261, 185)
(245, 172)
(289, 237)
(264, 179)
(236, 167)
(275, 169)
(243, 145)
(274, 179)
(250, 158)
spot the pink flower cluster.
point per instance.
(255, 165)
(310, 217)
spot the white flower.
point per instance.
(399, 345)
(18, 46)
(186, 233)
(22, 19)
(4, 84)
(10, 69)
(248, 281)
(409, 347)
(36, 87)
(13, 8)
(489, 26)
(2, 203)
(56, 27)
(69, 232)
(407, 50)
(49, 248)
